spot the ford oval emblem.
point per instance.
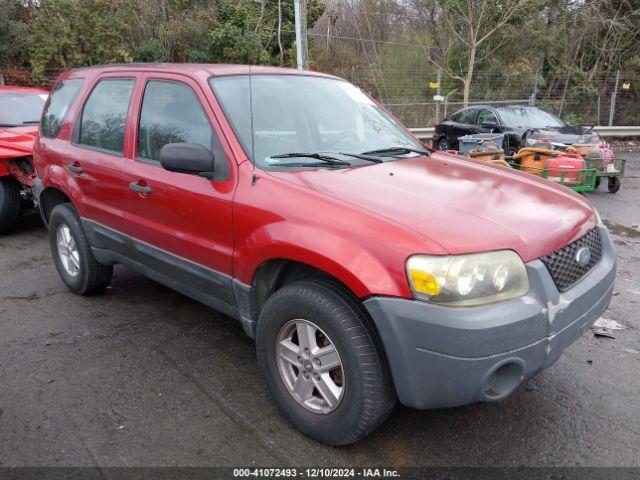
(583, 256)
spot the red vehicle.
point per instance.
(20, 110)
(367, 268)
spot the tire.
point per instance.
(367, 394)
(597, 184)
(10, 203)
(614, 184)
(90, 276)
(443, 144)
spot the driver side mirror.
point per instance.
(189, 158)
(489, 125)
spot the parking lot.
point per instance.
(144, 376)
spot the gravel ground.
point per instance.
(143, 376)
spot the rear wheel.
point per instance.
(72, 255)
(322, 362)
(10, 202)
(614, 184)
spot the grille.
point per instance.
(563, 265)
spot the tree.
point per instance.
(14, 33)
(75, 33)
(70, 33)
(460, 34)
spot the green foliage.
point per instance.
(74, 33)
(70, 33)
(567, 51)
(14, 33)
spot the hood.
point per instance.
(17, 141)
(464, 205)
(568, 134)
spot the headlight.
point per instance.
(467, 280)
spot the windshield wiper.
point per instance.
(325, 159)
(399, 150)
(27, 122)
(361, 156)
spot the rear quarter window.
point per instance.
(58, 105)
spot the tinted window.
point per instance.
(21, 108)
(486, 116)
(528, 117)
(104, 115)
(467, 116)
(59, 102)
(171, 113)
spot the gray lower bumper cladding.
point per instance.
(445, 357)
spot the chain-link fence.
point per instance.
(409, 94)
(412, 95)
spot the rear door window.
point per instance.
(58, 105)
(486, 116)
(105, 114)
(467, 116)
(171, 113)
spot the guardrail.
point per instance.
(427, 133)
(618, 131)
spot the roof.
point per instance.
(199, 68)
(17, 88)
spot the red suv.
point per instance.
(366, 267)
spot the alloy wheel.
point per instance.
(310, 366)
(67, 250)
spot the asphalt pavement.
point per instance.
(143, 376)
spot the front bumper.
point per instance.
(444, 357)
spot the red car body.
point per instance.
(364, 210)
(17, 142)
(237, 243)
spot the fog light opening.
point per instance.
(504, 380)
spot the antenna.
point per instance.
(254, 178)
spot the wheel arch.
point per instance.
(50, 198)
(276, 273)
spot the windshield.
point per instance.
(528, 117)
(19, 108)
(295, 113)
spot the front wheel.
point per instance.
(614, 184)
(72, 255)
(10, 202)
(443, 144)
(322, 362)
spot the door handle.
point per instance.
(136, 187)
(75, 168)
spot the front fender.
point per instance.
(345, 259)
